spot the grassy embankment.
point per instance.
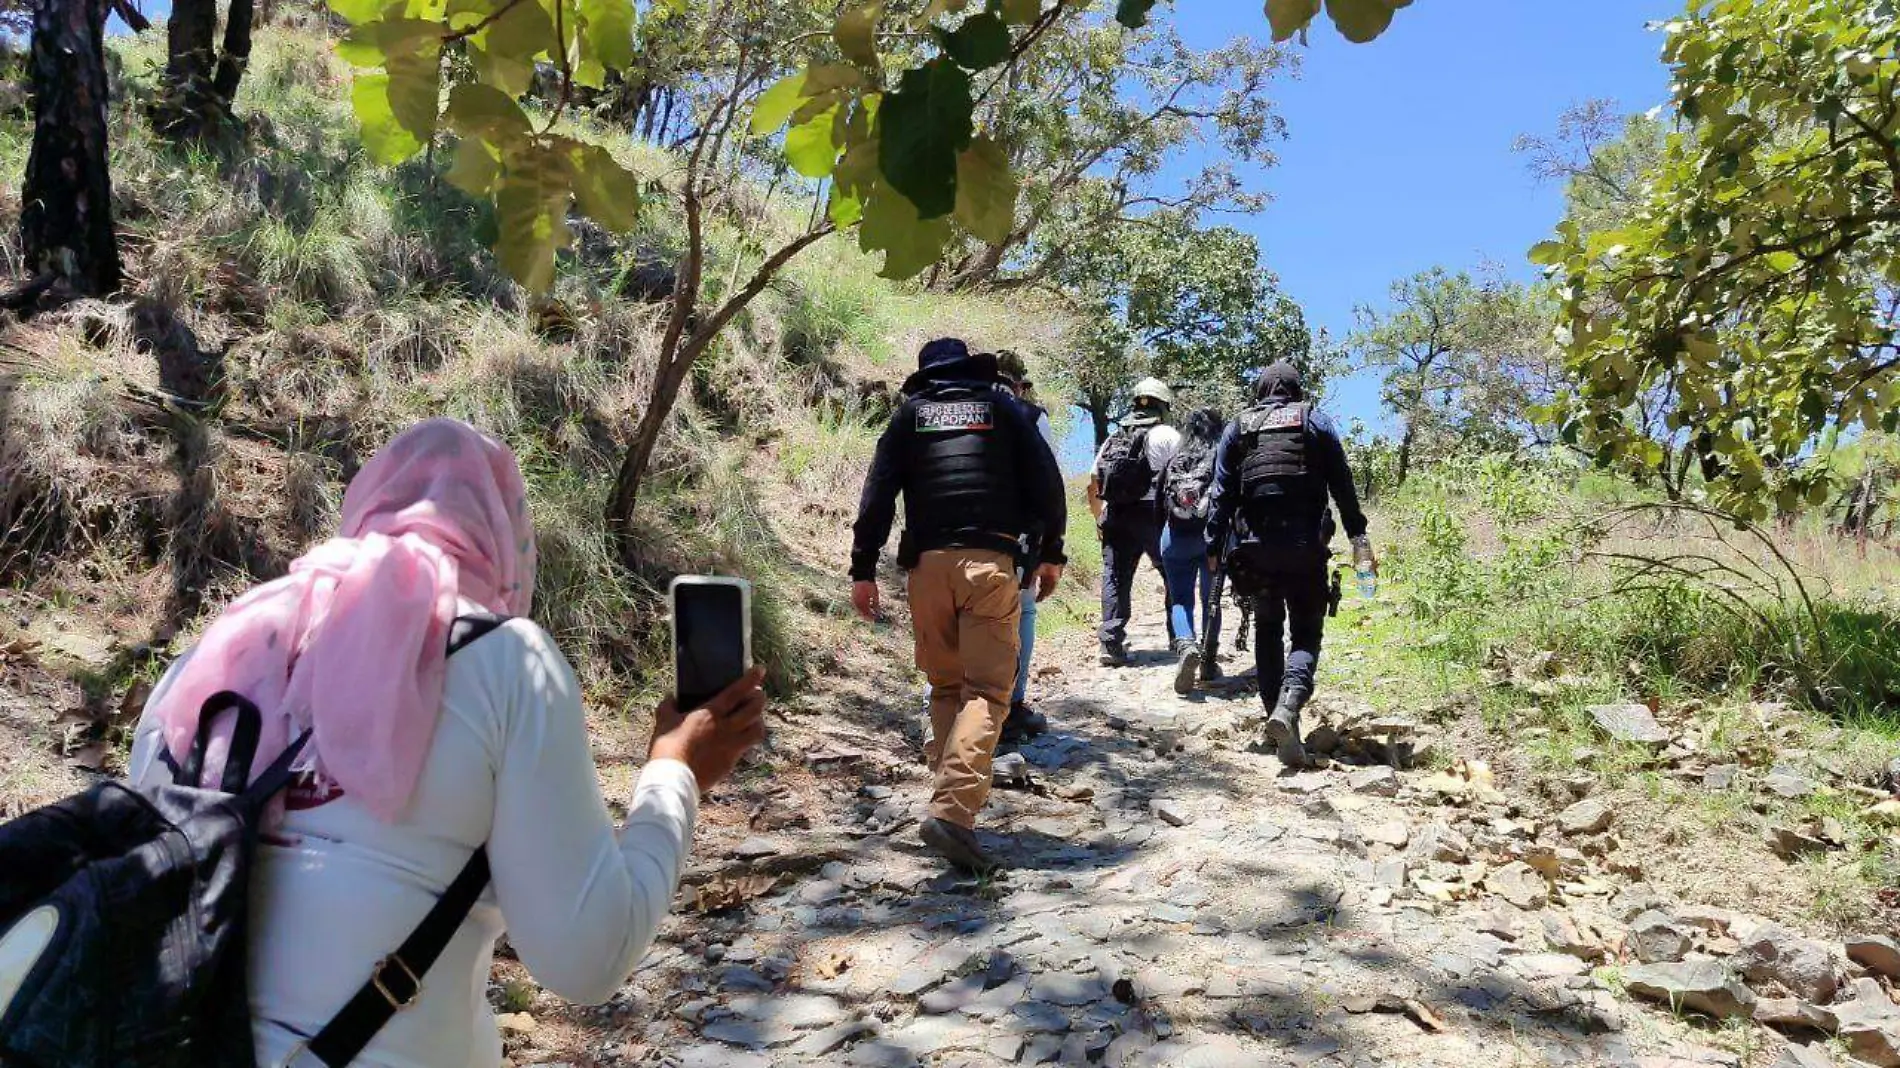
(334, 302)
(1511, 607)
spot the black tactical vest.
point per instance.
(963, 475)
(1282, 497)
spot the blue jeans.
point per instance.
(1028, 646)
(1184, 567)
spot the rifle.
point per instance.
(1211, 613)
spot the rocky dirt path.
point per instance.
(1171, 899)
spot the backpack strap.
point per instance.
(396, 981)
(244, 734)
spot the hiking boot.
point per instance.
(1210, 671)
(1114, 654)
(1023, 723)
(1283, 732)
(958, 845)
(1188, 671)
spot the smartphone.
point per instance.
(712, 636)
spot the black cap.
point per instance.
(941, 351)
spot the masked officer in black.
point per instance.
(983, 501)
(1274, 469)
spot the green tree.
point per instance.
(1757, 275)
(884, 110)
(1606, 162)
(1191, 305)
(1106, 113)
(1465, 363)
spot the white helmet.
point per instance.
(1156, 390)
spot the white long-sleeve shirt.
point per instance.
(335, 889)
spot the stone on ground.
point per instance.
(1520, 884)
(1657, 939)
(1588, 816)
(1703, 986)
(1630, 723)
(1873, 951)
(1805, 968)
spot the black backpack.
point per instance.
(1185, 483)
(122, 918)
(1127, 477)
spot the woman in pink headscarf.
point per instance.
(416, 759)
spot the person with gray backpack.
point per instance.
(360, 776)
(1190, 579)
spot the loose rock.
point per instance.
(1806, 968)
(1589, 816)
(1873, 951)
(1520, 884)
(1703, 986)
(1656, 939)
(1630, 723)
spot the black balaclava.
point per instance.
(1279, 382)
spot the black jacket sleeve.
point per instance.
(1047, 497)
(1223, 496)
(877, 505)
(1330, 452)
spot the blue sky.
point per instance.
(1398, 153)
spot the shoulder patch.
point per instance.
(937, 418)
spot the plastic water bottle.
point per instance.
(1363, 570)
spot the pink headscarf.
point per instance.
(352, 643)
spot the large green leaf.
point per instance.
(531, 216)
(478, 110)
(608, 193)
(1360, 21)
(503, 54)
(357, 12)
(986, 191)
(1021, 12)
(852, 183)
(981, 42)
(812, 146)
(1133, 13)
(777, 103)
(1288, 17)
(398, 109)
(921, 129)
(891, 225)
(475, 169)
(607, 31)
(856, 33)
(374, 44)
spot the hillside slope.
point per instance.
(291, 305)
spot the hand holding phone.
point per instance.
(711, 739)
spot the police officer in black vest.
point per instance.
(983, 502)
(1274, 469)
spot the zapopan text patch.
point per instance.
(1283, 418)
(958, 415)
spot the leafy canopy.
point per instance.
(1758, 274)
(889, 123)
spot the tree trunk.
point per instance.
(66, 220)
(646, 436)
(186, 107)
(1405, 455)
(1098, 419)
(236, 55)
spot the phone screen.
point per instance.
(709, 641)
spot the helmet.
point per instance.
(1154, 390)
(1010, 365)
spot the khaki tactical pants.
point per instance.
(965, 606)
